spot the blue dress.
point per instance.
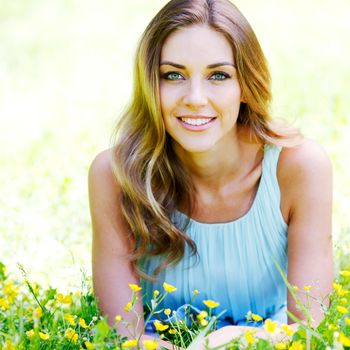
(236, 260)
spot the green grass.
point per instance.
(33, 317)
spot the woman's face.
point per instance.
(199, 91)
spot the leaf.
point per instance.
(102, 329)
(263, 344)
(202, 334)
(50, 295)
(303, 328)
(2, 271)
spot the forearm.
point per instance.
(226, 334)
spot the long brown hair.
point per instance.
(152, 178)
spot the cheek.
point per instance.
(165, 96)
(170, 97)
(166, 106)
(234, 92)
(228, 97)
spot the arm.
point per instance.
(305, 178)
(111, 243)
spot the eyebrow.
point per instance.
(214, 65)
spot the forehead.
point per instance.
(196, 43)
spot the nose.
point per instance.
(195, 95)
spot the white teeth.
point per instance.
(196, 121)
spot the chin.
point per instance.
(196, 147)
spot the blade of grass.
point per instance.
(306, 328)
(292, 292)
(202, 334)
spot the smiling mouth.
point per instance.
(196, 121)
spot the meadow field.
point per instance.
(65, 76)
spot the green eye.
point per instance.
(219, 76)
(172, 76)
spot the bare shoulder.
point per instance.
(302, 172)
(305, 160)
(105, 201)
(101, 173)
(104, 194)
(102, 164)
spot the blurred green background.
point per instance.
(65, 75)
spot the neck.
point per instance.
(213, 168)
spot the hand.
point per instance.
(226, 334)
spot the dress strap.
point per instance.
(270, 188)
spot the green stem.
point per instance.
(306, 328)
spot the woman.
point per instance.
(201, 188)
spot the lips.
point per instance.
(196, 120)
(196, 123)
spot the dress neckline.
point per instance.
(249, 211)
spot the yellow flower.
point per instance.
(159, 326)
(64, 299)
(343, 300)
(10, 289)
(270, 327)
(89, 345)
(172, 331)
(169, 288)
(337, 286)
(82, 323)
(296, 345)
(71, 335)
(345, 273)
(202, 315)
(70, 319)
(211, 304)
(344, 339)
(332, 327)
(295, 288)
(118, 318)
(196, 292)
(129, 343)
(155, 293)
(203, 322)
(8, 345)
(347, 320)
(150, 344)
(134, 287)
(37, 313)
(30, 333)
(4, 304)
(280, 346)
(248, 335)
(256, 317)
(342, 292)
(44, 336)
(307, 288)
(128, 307)
(288, 330)
(167, 312)
(342, 309)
